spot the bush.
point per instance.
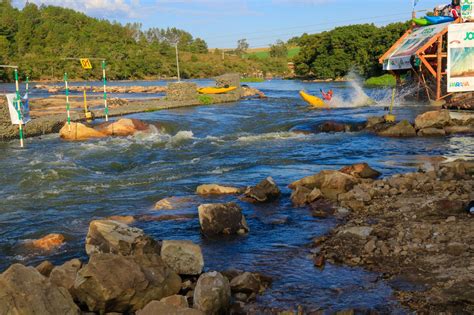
(205, 99)
(250, 80)
(386, 80)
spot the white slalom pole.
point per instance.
(106, 108)
(18, 108)
(68, 106)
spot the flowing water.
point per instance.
(54, 186)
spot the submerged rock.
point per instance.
(23, 290)
(222, 218)
(212, 293)
(402, 129)
(433, 119)
(265, 191)
(214, 189)
(108, 236)
(49, 242)
(173, 203)
(184, 257)
(115, 283)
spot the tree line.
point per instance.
(333, 54)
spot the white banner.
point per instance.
(467, 10)
(400, 58)
(25, 113)
(461, 57)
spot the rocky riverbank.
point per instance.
(415, 229)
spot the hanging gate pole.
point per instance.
(106, 108)
(68, 106)
(18, 109)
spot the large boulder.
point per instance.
(115, 283)
(402, 129)
(123, 127)
(265, 191)
(79, 132)
(108, 236)
(162, 308)
(222, 218)
(431, 132)
(23, 290)
(214, 189)
(212, 293)
(433, 119)
(246, 283)
(184, 257)
(65, 275)
(331, 183)
(360, 170)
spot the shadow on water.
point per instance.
(59, 187)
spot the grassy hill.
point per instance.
(263, 53)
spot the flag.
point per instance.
(415, 2)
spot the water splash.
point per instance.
(356, 98)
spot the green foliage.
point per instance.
(205, 99)
(334, 53)
(264, 54)
(278, 50)
(252, 80)
(242, 46)
(382, 81)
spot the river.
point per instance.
(53, 186)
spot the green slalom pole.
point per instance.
(68, 106)
(106, 108)
(18, 108)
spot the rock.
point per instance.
(322, 208)
(65, 275)
(79, 132)
(459, 129)
(370, 246)
(433, 119)
(161, 308)
(245, 283)
(49, 242)
(360, 170)
(214, 189)
(249, 92)
(173, 203)
(176, 300)
(183, 257)
(299, 196)
(358, 231)
(402, 129)
(456, 248)
(45, 268)
(314, 195)
(222, 218)
(265, 191)
(331, 183)
(319, 261)
(431, 132)
(123, 127)
(115, 283)
(331, 126)
(212, 293)
(126, 219)
(373, 121)
(23, 290)
(107, 236)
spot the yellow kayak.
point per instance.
(312, 100)
(216, 90)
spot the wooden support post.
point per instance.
(439, 67)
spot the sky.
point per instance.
(222, 22)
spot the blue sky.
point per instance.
(261, 22)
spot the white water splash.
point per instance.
(271, 136)
(357, 96)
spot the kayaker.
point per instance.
(327, 96)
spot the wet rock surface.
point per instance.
(414, 226)
(265, 191)
(184, 257)
(212, 294)
(223, 218)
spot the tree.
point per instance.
(242, 46)
(278, 50)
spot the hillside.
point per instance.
(264, 53)
(37, 39)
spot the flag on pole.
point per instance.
(415, 2)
